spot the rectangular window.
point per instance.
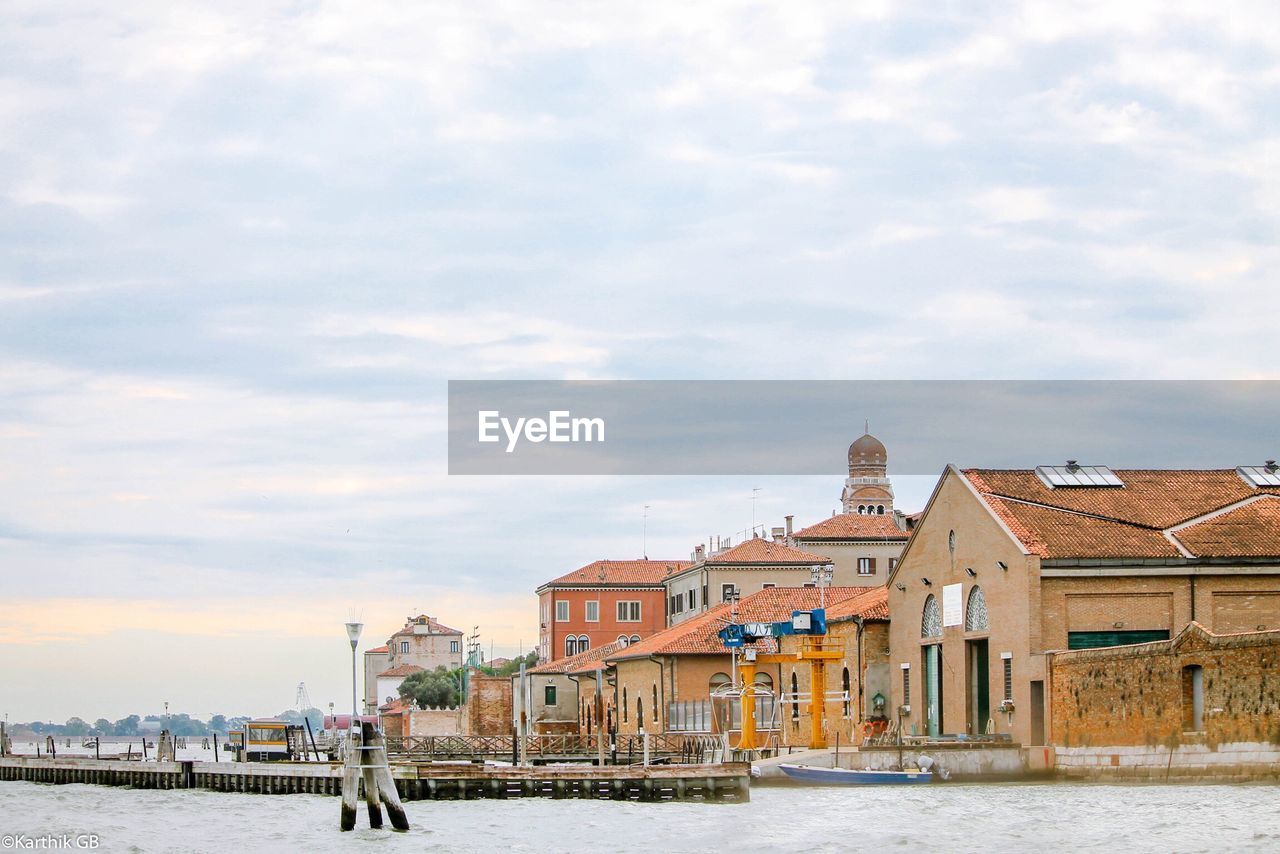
(810, 584)
(455, 646)
(549, 695)
(906, 684)
(593, 611)
(866, 566)
(693, 598)
(893, 564)
(671, 604)
(726, 592)
(679, 602)
(562, 611)
(1008, 675)
(1091, 640)
(544, 612)
(706, 598)
(404, 646)
(767, 586)
(628, 612)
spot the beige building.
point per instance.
(666, 682)
(560, 696)
(750, 566)
(1006, 565)
(424, 642)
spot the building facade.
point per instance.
(608, 601)
(424, 642)
(1007, 565)
(749, 567)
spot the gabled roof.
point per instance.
(433, 625)
(579, 663)
(1156, 514)
(398, 706)
(619, 573)
(698, 635)
(761, 551)
(402, 670)
(377, 650)
(873, 604)
(854, 526)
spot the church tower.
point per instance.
(867, 490)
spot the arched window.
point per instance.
(622, 640)
(624, 705)
(844, 685)
(931, 622)
(975, 612)
(718, 681)
(879, 509)
(639, 713)
(584, 643)
(862, 509)
(635, 639)
(795, 703)
(570, 645)
(655, 704)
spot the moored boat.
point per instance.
(847, 777)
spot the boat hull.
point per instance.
(844, 777)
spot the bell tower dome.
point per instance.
(867, 490)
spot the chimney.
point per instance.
(778, 535)
(699, 553)
(789, 520)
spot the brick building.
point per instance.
(1005, 566)
(752, 565)
(608, 601)
(423, 642)
(665, 683)
(561, 694)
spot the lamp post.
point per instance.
(822, 574)
(353, 633)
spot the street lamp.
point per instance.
(353, 632)
(822, 574)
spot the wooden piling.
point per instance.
(351, 780)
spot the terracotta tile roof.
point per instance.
(579, 663)
(1252, 530)
(436, 627)
(761, 551)
(402, 670)
(630, 573)
(376, 650)
(872, 604)
(846, 526)
(398, 706)
(1132, 521)
(698, 635)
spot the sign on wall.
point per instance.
(952, 612)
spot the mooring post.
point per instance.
(386, 783)
(351, 779)
(215, 747)
(645, 735)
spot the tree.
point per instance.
(218, 724)
(432, 688)
(75, 726)
(127, 726)
(102, 726)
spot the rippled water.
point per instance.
(942, 818)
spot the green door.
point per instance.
(933, 689)
(979, 687)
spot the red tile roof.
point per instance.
(1251, 530)
(435, 626)
(628, 573)
(854, 526)
(761, 551)
(873, 604)
(698, 635)
(398, 706)
(402, 670)
(579, 663)
(376, 649)
(1136, 520)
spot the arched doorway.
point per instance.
(977, 662)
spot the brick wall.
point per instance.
(1141, 695)
(489, 705)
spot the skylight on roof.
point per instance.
(1073, 475)
(1259, 476)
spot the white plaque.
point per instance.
(952, 613)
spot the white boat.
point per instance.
(847, 777)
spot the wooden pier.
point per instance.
(725, 782)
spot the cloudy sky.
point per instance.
(244, 245)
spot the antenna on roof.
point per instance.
(644, 534)
(866, 426)
(753, 507)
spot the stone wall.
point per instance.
(436, 721)
(1142, 695)
(1235, 762)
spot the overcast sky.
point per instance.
(242, 249)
